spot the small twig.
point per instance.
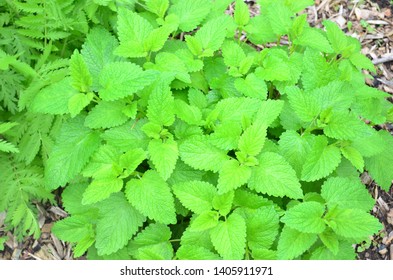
(377, 22)
(385, 82)
(384, 59)
(352, 10)
(34, 256)
(322, 4)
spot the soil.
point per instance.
(384, 3)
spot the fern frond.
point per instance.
(11, 83)
(30, 134)
(20, 185)
(8, 147)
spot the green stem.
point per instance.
(148, 57)
(175, 240)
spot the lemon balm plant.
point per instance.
(179, 140)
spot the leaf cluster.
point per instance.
(174, 138)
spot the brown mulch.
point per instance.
(371, 22)
(47, 247)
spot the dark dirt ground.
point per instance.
(372, 24)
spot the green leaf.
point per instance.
(223, 202)
(192, 252)
(343, 126)
(194, 45)
(298, 5)
(195, 195)
(71, 152)
(345, 252)
(101, 189)
(226, 135)
(204, 221)
(305, 217)
(295, 148)
(102, 163)
(322, 160)
(371, 143)
(132, 159)
(157, 38)
(152, 130)
(241, 14)
(121, 254)
(246, 64)
(198, 153)
(232, 175)
(169, 63)
(275, 69)
(318, 71)
(336, 36)
(233, 54)
(268, 112)
(73, 229)
(262, 227)
(133, 31)
(188, 113)
(252, 140)
(380, 165)
(314, 39)
(360, 61)
(353, 156)
(235, 109)
(352, 223)
(211, 35)
(279, 18)
(118, 222)
(305, 106)
(72, 200)
(274, 176)
(79, 101)
(152, 243)
(184, 173)
(122, 79)
(197, 238)
(81, 78)
(164, 156)
(54, 98)
(259, 30)
(160, 108)
(152, 196)
(293, 243)
(83, 245)
(106, 115)
(247, 199)
(252, 86)
(97, 51)
(347, 193)
(128, 136)
(159, 7)
(264, 254)
(191, 13)
(229, 237)
(330, 240)
(156, 252)
(197, 98)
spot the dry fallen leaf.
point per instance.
(389, 217)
